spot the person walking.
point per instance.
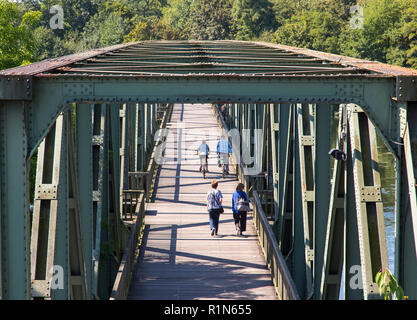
(223, 150)
(240, 208)
(203, 152)
(214, 207)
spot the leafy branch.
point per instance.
(389, 286)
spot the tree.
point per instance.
(102, 30)
(176, 18)
(17, 45)
(315, 30)
(409, 34)
(211, 20)
(252, 17)
(387, 33)
(48, 45)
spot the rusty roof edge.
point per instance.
(374, 66)
(51, 64)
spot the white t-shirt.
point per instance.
(214, 203)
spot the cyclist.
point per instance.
(223, 150)
(203, 151)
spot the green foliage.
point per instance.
(17, 45)
(176, 17)
(389, 286)
(252, 17)
(102, 30)
(311, 29)
(210, 20)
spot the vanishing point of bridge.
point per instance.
(100, 194)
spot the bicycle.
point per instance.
(203, 164)
(223, 163)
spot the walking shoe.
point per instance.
(212, 231)
(238, 232)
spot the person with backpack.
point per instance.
(214, 207)
(240, 208)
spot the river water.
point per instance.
(387, 165)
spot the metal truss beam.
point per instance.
(322, 130)
(15, 217)
(306, 138)
(406, 241)
(368, 198)
(334, 243)
(84, 140)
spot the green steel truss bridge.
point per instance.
(78, 136)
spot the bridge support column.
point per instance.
(100, 190)
(115, 222)
(286, 169)
(57, 252)
(14, 201)
(368, 198)
(406, 219)
(334, 244)
(360, 231)
(322, 140)
(124, 163)
(142, 136)
(84, 138)
(306, 140)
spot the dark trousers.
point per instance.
(240, 220)
(214, 215)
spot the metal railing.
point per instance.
(130, 202)
(267, 201)
(120, 289)
(282, 278)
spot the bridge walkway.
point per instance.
(179, 259)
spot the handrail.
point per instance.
(282, 278)
(120, 289)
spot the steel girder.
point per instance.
(406, 199)
(15, 217)
(56, 221)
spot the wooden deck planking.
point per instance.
(178, 257)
